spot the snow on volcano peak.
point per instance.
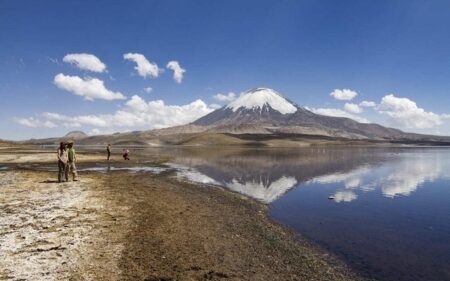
(257, 98)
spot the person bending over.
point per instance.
(126, 154)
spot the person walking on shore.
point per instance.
(108, 150)
(62, 161)
(71, 161)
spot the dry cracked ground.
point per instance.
(142, 226)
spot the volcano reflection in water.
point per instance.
(389, 216)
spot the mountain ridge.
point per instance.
(300, 120)
(261, 116)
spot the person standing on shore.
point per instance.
(62, 161)
(108, 150)
(71, 160)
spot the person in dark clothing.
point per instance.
(62, 161)
(108, 151)
(126, 154)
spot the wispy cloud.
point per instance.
(367, 104)
(352, 108)
(225, 98)
(35, 123)
(148, 90)
(335, 112)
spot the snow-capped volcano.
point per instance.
(261, 98)
(265, 111)
(254, 107)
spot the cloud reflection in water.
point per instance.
(266, 176)
(263, 191)
(344, 196)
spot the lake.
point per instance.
(385, 211)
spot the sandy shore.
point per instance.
(142, 226)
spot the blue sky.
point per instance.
(392, 53)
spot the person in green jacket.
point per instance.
(71, 161)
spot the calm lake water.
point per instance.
(385, 211)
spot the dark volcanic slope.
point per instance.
(224, 118)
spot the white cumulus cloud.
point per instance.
(335, 112)
(225, 98)
(85, 62)
(367, 104)
(344, 94)
(352, 108)
(178, 71)
(405, 113)
(35, 123)
(88, 88)
(143, 66)
(136, 114)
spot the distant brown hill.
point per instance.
(75, 135)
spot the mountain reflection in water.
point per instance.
(389, 216)
(267, 174)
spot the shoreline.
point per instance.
(141, 226)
